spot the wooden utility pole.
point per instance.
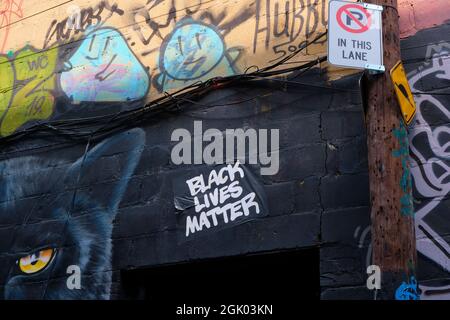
(392, 214)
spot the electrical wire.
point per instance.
(98, 127)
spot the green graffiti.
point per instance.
(406, 201)
(26, 87)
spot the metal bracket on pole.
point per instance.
(374, 69)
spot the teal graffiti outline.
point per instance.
(406, 201)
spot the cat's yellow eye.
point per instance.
(36, 262)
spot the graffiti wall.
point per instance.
(83, 52)
(428, 145)
(73, 214)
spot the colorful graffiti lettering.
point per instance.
(104, 69)
(27, 84)
(188, 43)
(406, 201)
(9, 10)
(194, 51)
(408, 290)
(429, 157)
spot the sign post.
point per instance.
(355, 35)
(356, 39)
(391, 201)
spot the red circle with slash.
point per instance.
(344, 10)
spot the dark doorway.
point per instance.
(290, 275)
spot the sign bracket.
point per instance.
(372, 6)
(374, 68)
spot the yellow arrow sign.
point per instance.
(403, 91)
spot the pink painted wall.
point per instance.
(416, 15)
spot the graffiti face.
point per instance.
(104, 69)
(75, 222)
(193, 51)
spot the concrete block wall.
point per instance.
(109, 205)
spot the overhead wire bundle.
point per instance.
(94, 128)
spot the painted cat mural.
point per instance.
(66, 222)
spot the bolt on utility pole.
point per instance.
(392, 213)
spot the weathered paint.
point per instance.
(416, 15)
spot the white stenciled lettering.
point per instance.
(219, 199)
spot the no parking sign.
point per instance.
(355, 35)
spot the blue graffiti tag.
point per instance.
(104, 69)
(407, 291)
(193, 51)
(406, 201)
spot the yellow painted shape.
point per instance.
(6, 85)
(35, 81)
(404, 95)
